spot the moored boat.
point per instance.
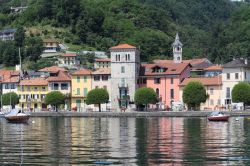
(17, 116)
(218, 116)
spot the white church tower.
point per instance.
(177, 49)
(125, 65)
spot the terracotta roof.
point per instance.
(69, 55)
(9, 72)
(170, 68)
(34, 81)
(82, 72)
(214, 68)
(201, 63)
(103, 60)
(10, 79)
(52, 69)
(204, 80)
(50, 41)
(102, 71)
(122, 46)
(61, 77)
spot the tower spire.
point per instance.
(177, 49)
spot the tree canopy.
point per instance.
(10, 98)
(241, 93)
(54, 98)
(213, 29)
(145, 96)
(194, 94)
(97, 96)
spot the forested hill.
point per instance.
(217, 29)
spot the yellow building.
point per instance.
(32, 93)
(213, 87)
(81, 85)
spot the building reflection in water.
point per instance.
(126, 141)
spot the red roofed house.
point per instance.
(213, 86)
(102, 63)
(165, 80)
(51, 71)
(32, 93)
(69, 60)
(9, 80)
(62, 83)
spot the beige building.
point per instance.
(213, 86)
(69, 60)
(102, 63)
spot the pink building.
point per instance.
(164, 79)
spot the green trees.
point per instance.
(97, 96)
(10, 98)
(54, 98)
(194, 94)
(241, 93)
(145, 96)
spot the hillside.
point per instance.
(207, 28)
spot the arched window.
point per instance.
(157, 92)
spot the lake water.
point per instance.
(125, 141)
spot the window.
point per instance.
(144, 80)
(55, 86)
(96, 78)
(122, 69)
(12, 86)
(123, 82)
(211, 91)
(245, 75)
(78, 91)
(105, 77)
(157, 92)
(22, 88)
(172, 80)
(228, 76)
(35, 88)
(6, 86)
(85, 78)
(119, 57)
(116, 57)
(85, 92)
(64, 86)
(236, 76)
(178, 58)
(211, 102)
(78, 79)
(218, 102)
(228, 93)
(42, 96)
(157, 80)
(171, 93)
(128, 57)
(28, 88)
(43, 88)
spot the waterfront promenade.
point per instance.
(136, 114)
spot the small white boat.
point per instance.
(218, 116)
(17, 116)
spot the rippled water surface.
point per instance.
(125, 141)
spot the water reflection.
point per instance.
(125, 141)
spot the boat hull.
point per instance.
(218, 118)
(18, 119)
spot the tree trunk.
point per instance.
(99, 107)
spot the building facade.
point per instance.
(234, 72)
(69, 60)
(165, 80)
(102, 63)
(213, 87)
(81, 82)
(32, 93)
(7, 34)
(125, 66)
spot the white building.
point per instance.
(7, 34)
(69, 60)
(234, 72)
(125, 65)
